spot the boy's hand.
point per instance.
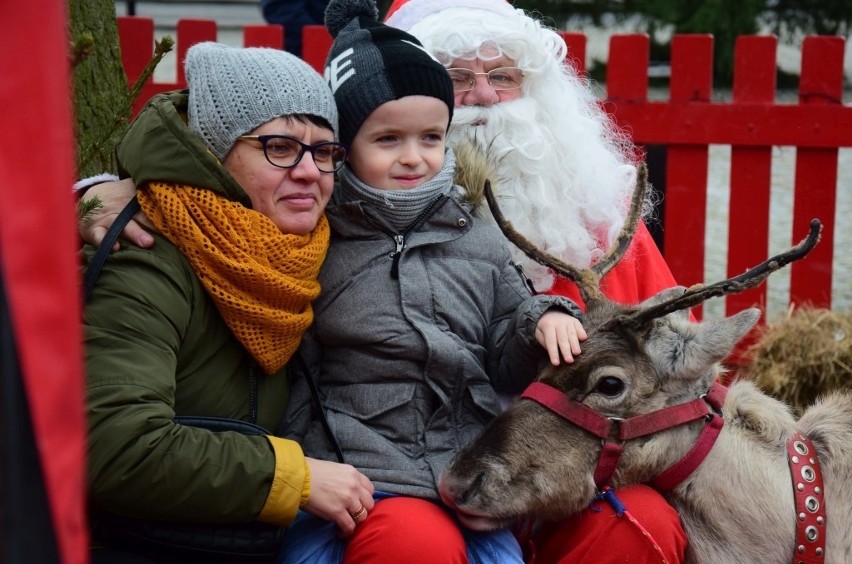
(559, 332)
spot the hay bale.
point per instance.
(803, 356)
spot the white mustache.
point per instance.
(521, 110)
(506, 127)
(471, 115)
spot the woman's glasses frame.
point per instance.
(334, 161)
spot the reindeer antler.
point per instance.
(748, 279)
(622, 242)
(587, 279)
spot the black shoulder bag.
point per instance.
(174, 542)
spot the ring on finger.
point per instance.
(358, 513)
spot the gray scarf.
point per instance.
(399, 207)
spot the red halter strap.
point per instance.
(809, 492)
(706, 407)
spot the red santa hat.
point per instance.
(404, 14)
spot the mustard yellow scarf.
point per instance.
(262, 280)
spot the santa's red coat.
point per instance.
(640, 274)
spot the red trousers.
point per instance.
(417, 531)
(598, 535)
(407, 530)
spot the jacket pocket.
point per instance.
(479, 406)
(484, 400)
(368, 415)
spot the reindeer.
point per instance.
(642, 405)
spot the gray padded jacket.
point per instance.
(412, 350)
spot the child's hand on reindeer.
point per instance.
(560, 334)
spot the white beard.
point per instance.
(557, 179)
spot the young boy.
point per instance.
(423, 319)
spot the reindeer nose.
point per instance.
(472, 490)
(456, 493)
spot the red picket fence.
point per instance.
(751, 124)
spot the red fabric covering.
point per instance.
(640, 274)
(599, 535)
(37, 239)
(416, 531)
(409, 530)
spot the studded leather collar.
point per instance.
(809, 492)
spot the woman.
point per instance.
(203, 323)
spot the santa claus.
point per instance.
(562, 171)
(563, 174)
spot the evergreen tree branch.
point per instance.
(86, 207)
(161, 48)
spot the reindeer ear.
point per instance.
(684, 350)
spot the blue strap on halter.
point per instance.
(608, 495)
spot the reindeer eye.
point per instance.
(609, 386)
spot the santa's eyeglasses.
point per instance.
(503, 78)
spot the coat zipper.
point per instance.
(254, 384)
(526, 280)
(399, 238)
(400, 245)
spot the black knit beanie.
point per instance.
(370, 64)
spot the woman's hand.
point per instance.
(114, 196)
(339, 493)
(559, 332)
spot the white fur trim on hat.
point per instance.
(412, 12)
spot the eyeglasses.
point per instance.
(503, 78)
(286, 152)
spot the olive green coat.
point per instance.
(156, 347)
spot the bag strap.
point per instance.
(318, 407)
(93, 270)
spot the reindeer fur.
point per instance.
(738, 506)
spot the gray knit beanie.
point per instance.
(370, 64)
(233, 90)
